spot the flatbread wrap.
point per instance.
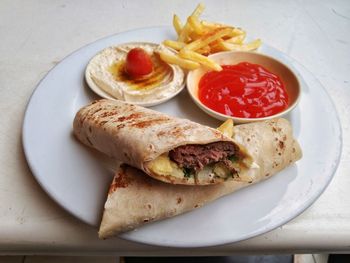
(135, 198)
(169, 149)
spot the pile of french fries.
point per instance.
(197, 39)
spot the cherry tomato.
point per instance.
(138, 63)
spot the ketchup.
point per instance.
(243, 90)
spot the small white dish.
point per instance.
(147, 103)
(234, 57)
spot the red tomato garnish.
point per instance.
(138, 63)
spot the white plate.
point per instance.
(73, 177)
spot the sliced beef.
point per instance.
(196, 156)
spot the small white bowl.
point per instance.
(289, 79)
(104, 94)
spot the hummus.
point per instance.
(106, 70)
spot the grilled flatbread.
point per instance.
(169, 149)
(135, 198)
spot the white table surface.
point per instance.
(36, 35)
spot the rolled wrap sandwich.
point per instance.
(135, 198)
(170, 149)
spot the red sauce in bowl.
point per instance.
(243, 90)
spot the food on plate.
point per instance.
(227, 128)
(170, 57)
(135, 73)
(251, 87)
(170, 149)
(243, 90)
(199, 38)
(135, 198)
(138, 63)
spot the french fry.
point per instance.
(238, 31)
(241, 47)
(227, 128)
(177, 24)
(187, 28)
(210, 37)
(193, 36)
(174, 44)
(212, 25)
(205, 61)
(196, 39)
(196, 25)
(185, 33)
(175, 59)
(198, 10)
(204, 50)
(216, 46)
(237, 39)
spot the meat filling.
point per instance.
(194, 156)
